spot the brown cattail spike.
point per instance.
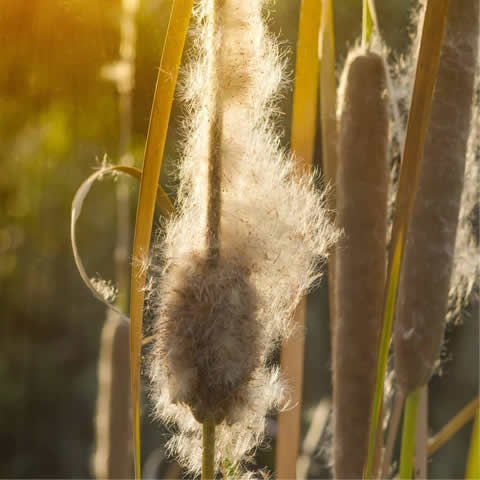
(427, 264)
(362, 188)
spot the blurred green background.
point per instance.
(58, 118)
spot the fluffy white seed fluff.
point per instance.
(217, 325)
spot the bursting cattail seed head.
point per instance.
(360, 269)
(243, 248)
(212, 346)
(430, 242)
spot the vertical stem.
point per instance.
(214, 199)
(407, 453)
(398, 402)
(214, 167)
(422, 435)
(208, 451)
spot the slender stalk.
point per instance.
(452, 427)
(208, 450)
(398, 402)
(407, 454)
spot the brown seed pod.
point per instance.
(427, 263)
(208, 336)
(113, 455)
(362, 189)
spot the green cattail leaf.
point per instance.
(304, 121)
(157, 132)
(473, 462)
(165, 205)
(419, 115)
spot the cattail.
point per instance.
(242, 250)
(427, 264)
(362, 193)
(113, 455)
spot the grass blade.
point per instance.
(157, 132)
(425, 78)
(473, 462)
(304, 117)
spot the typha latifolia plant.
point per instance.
(429, 252)
(249, 230)
(242, 249)
(361, 192)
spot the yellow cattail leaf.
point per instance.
(157, 132)
(304, 120)
(418, 120)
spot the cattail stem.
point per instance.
(421, 438)
(208, 452)
(408, 435)
(394, 423)
(214, 200)
(214, 160)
